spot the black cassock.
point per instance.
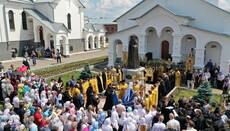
(109, 101)
(162, 90)
(167, 84)
(104, 79)
(100, 84)
(89, 94)
(77, 101)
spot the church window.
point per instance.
(69, 21)
(11, 19)
(24, 21)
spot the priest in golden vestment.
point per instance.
(122, 88)
(93, 82)
(161, 70)
(177, 78)
(120, 73)
(136, 87)
(148, 74)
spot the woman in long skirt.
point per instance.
(34, 58)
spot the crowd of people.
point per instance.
(31, 103)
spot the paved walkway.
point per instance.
(48, 62)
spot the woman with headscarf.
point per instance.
(85, 124)
(122, 121)
(142, 126)
(130, 125)
(128, 99)
(101, 119)
(114, 118)
(95, 126)
(107, 125)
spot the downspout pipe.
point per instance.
(6, 28)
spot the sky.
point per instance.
(115, 8)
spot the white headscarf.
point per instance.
(123, 119)
(114, 118)
(107, 125)
(130, 125)
(136, 115)
(142, 121)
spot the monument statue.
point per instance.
(133, 57)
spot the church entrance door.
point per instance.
(165, 50)
(42, 44)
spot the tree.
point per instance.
(204, 92)
(86, 73)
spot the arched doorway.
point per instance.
(166, 39)
(51, 42)
(119, 51)
(165, 50)
(212, 51)
(152, 42)
(90, 42)
(188, 42)
(41, 37)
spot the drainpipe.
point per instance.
(5, 21)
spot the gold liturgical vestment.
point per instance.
(178, 78)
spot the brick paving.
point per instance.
(48, 62)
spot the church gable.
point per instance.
(159, 11)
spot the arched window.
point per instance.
(24, 21)
(69, 21)
(11, 19)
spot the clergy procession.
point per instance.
(31, 103)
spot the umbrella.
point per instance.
(15, 73)
(23, 69)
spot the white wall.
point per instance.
(18, 33)
(196, 9)
(60, 13)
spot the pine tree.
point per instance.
(204, 92)
(86, 73)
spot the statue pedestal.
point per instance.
(128, 74)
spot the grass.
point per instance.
(66, 77)
(189, 93)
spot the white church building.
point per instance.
(46, 23)
(172, 28)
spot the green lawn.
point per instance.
(66, 77)
(188, 93)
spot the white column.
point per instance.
(112, 54)
(142, 45)
(176, 55)
(225, 66)
(86, 43)
(92, 43)
(199, 58)
(104, 41)
(35, 31)
(66, 48)
(56, 43)
(98, 43)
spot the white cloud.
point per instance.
(109, 8)
(224, 4)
